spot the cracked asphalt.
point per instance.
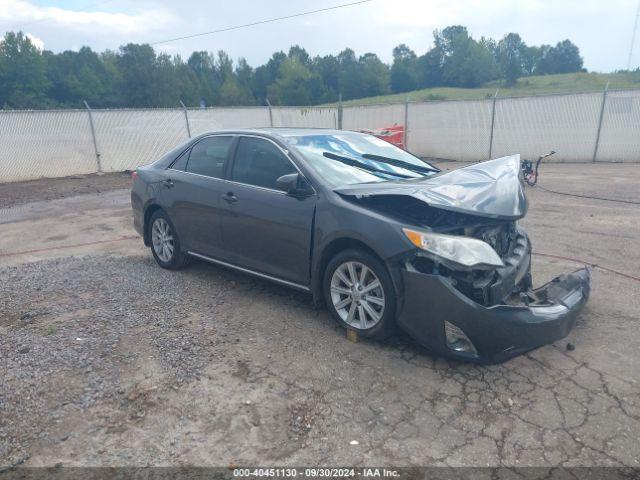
(109, 360)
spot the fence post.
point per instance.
(339, 111)
(270, 112)
(493, 122)
(406, 124)
(186, 117)
(93, 135)
(604, 101)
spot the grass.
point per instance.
(50, 329)
(537, 85)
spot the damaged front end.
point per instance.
(467, 283)
(488, 314)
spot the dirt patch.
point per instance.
(19, 193)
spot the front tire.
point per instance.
(359, 293)
(165, 243)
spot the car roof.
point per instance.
(282, 131)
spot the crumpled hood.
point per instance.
(489, 189)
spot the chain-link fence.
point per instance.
(588, 127)
(459, 130)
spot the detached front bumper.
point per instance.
(498, 332)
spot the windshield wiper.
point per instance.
(401, 163)
(358, 164)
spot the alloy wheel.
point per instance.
(162, 239)
(357, 295)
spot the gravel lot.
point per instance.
(109, 360)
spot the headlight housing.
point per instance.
(464, 251)
(457, 340)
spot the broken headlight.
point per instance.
(465, 251)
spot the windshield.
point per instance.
(349, 157)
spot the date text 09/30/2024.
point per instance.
(316, 472)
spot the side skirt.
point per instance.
(297, 286)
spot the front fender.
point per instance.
(349, 222)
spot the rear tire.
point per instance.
(165, 243)
(359, 293)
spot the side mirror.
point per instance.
(294, 184)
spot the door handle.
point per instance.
(230, 197)
(168, 183)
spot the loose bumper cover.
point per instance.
(498, 332)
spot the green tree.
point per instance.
(166, 85)
(188, 83)
(137, 64)
(260, 81)
(466, 62)
(244, 75)
(23, 73)
(374, 75)
(530, 58)
(563, 58)
(430, 68)
(448, 40)
(113, 80)
(137, 76)
(404, 71)
(231, 92)
(266, 75)
(202, 64)
(510, 53)
(300, 54)
(81, 75)
(328, 67)
(292, 86)
(349, 85)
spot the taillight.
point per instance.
(134, 175)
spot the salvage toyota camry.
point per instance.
(378, 235)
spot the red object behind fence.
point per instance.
(393, 135)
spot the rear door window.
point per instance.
(181, 162)
(259, 162)
(209, 155)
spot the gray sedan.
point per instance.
(381, 237)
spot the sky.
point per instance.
(601, 29)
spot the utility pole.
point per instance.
(633, 36)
